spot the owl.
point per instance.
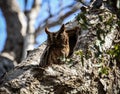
(57, 47)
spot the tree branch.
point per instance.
(31, 16)
(59, 20)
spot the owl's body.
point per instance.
(57, 47)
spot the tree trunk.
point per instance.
(15, 28)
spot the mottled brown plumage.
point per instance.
(57, 47)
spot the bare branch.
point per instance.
(59, 20)
(31, 15)
(49, 8)
(26, 3)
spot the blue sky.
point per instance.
(2, 31)
(42, 15)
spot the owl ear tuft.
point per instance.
(46, 30)
(62, 29)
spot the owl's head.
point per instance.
(57, 38)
